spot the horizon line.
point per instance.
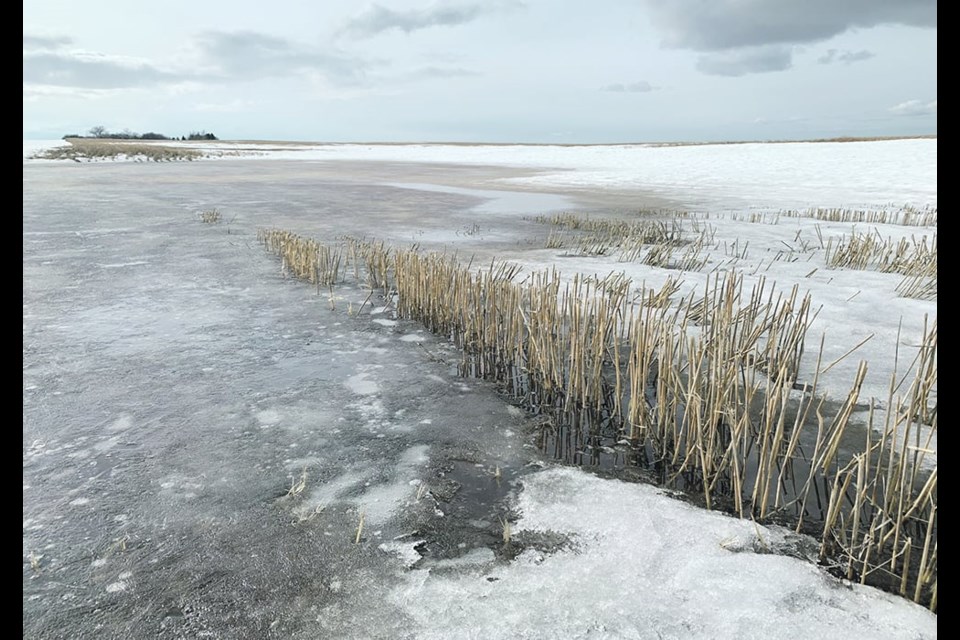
(518, 143)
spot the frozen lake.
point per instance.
(202, 436)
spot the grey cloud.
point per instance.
(914, 108)
(377, 19)
(728, 24)
(224, 57)
(45, 43)
(745, 61)
(248, 55)
(89, 71)
(844, 57)
(634, 87)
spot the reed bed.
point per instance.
(667, 256)
(906, 216)
(647, 231)
(883, 522)
(557, 240)
(82, 149)
(707, 392)
(306, 259)
(653, 242)
(375, 256)
(714, 408)
(915, 258)
(909, 256)
(756, 217)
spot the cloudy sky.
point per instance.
(482, 70)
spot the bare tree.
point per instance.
(98, 131)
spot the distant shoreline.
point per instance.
(521, 144)
(593, 144)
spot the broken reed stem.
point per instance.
(356, 539)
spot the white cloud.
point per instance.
(377, 19)
(83, 69)
(249, 55)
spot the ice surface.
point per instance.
(631, 561)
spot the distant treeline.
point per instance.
(126, 134)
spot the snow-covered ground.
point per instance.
(33, 147)
(710, 177)
(634, 562)
(752, 176)
(651, 567)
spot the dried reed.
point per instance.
(707, 391)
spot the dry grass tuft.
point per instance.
(34, 558)
(211, 216)
(915, 258)
(82, 149)
(506, 531)
(297, 485)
